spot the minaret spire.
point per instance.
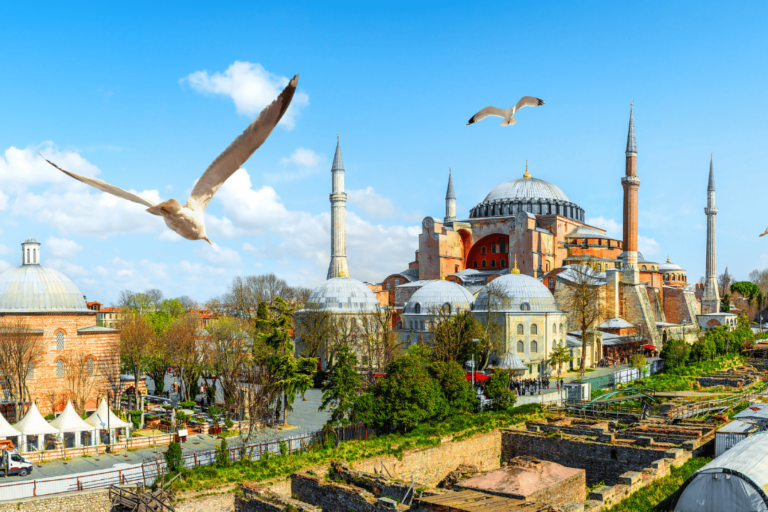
(710, 301)
(338, 266)
(631, 144)
(450, 200)
(631, 184)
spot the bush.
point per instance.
(173, 458)
(497, 389)
(189, 404)
(283, 448)
(222, 454)
(135, 419)
(675, 353)
(229, 423)
(49, 417)
(459, 395)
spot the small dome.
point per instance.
(34, 288)
(343, 294)
(31, 241)
(436, 294)
(615, 323)
(670, 267)
(516, 292)
(526, 188)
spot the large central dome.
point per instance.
(527, 194)
(526, 188)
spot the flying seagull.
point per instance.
(507, 114)
(764, 232)
(188, 220)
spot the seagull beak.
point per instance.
(206, 239)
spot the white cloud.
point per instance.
(4, 265)
(218, 255)
(302, 157)
(4, 249)
(647, 246)
(611, 227)
(65, 267)
(3, 200)
(377, 206)
(62, 248)
(251, 87)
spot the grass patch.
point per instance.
(204, 478)
(737, 409)
(657, 495)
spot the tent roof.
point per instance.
(33, 423)
(100, 420)
(6, 429)
(70, 421)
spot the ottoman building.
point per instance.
(54, 314)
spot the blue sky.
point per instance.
(146, 95)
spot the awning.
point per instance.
(478, 377)
(650, 347)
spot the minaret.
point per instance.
(631, 183)
(450, 201)
(710, 301)
(338, 266)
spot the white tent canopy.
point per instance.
(70, 421)
(100, 420)
(6, 429)
(33, 424)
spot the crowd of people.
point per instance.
(533, 386)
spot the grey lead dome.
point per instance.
(37, 289)
(510, 292)
(434, 295)
(343, 294)
(526, 188)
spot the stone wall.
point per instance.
(87, 501)
(636, 308)
(331, 496)
(431, 465)
(375, 484)
(257, 499)
(602, 462)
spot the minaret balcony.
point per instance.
(710, 211)
(631, 180)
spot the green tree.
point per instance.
(173, 458)
(222, 454)
(452, 335)
(458, 392)
(343, 387)
(725, 304)
(675, 353)
(746, 289)
(637, 362)
(408, 395)
(559, 356)
(497, 389)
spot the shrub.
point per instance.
(497, 389)
(459, 395)
(173, 458)
(188, 404)
(283, 448)
(49, 417)
(229, 423)
(222, 454)
(675, 353)
(135, 419)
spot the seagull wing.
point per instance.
(104, 186)
(242, 148)
(764, 232)
(528, 101)
(487, 112)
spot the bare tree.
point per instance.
(256, 397)
(155, 296)
(181, 342)
(188, 302)
(137, 338)
(313, 325)
(378, 343)
(21, 348)
(108, 368)
(492, 321)
(724, 282)
(343, 330)
(451, 334)
(760, 278)
(297, 296)
(583, 300)
(227, 353)
(81, 374)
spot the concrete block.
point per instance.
(644, 441)
(677, 454)
(601, 493)
(631, 478)
(608, 437)
(387, 503)
(572, 507)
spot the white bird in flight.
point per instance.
(507, 114)
(188, 220)
(764, 232)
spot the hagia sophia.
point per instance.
(530, 239)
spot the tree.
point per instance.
(408, 396)
(675, 353)
(724, 282)
(180, 341)
(313, 325)
(82, 376)
(227, 353)
(172, 307)
(559, 356)
(459, 395)
(703, 348)
(155, 297)
(497, 389)
(137, 338)
(452, 335)
(21, 347)
(725, 303)
(582, 299)
(343, 388)
(257, 393)
(746, 289)
(637, 362)
(378, 343)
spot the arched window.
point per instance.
(447, 308)
(397, 281)
(482, 264)
(493, 248)
(30, 370)
(399, 325)
(422, 326)
(417, 308)
(520, 329)
(59, 341)
(534, 346)
(525, 306)
(482, 251)
(520, 347)
(554, 328)
(474, 264)
(561, 328)
(60, 368)
(547, 266)
(554, 344)
(534, 329)
(551, 282)
(89, 366)
(493, 263)
(644, 268)
(503, 263)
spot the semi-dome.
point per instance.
(436, 295)
(515, 292)
(33, 288)
(528, 194)
(343, 294)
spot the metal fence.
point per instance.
(149, 470)
(624, 376)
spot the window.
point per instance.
(547, 266)
(502, 245)
(60, 368)
(482, 251)
(493, 263)
(493, 248)
(520, 329)
(397, 281)
(417, 308)
(534, 346)
(534, 329)
(474, 264)
(483, 264)
(644, 267)
(554, 328)
(525, 306)
(551, 282)
(422, 326)
(447, 308)
(59, 341)
(399, 325)
(561, 328)
(554, 344)
(389, 286)
(520, 347)
(455, 268)
(503, 263)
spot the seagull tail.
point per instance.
(508, 122)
